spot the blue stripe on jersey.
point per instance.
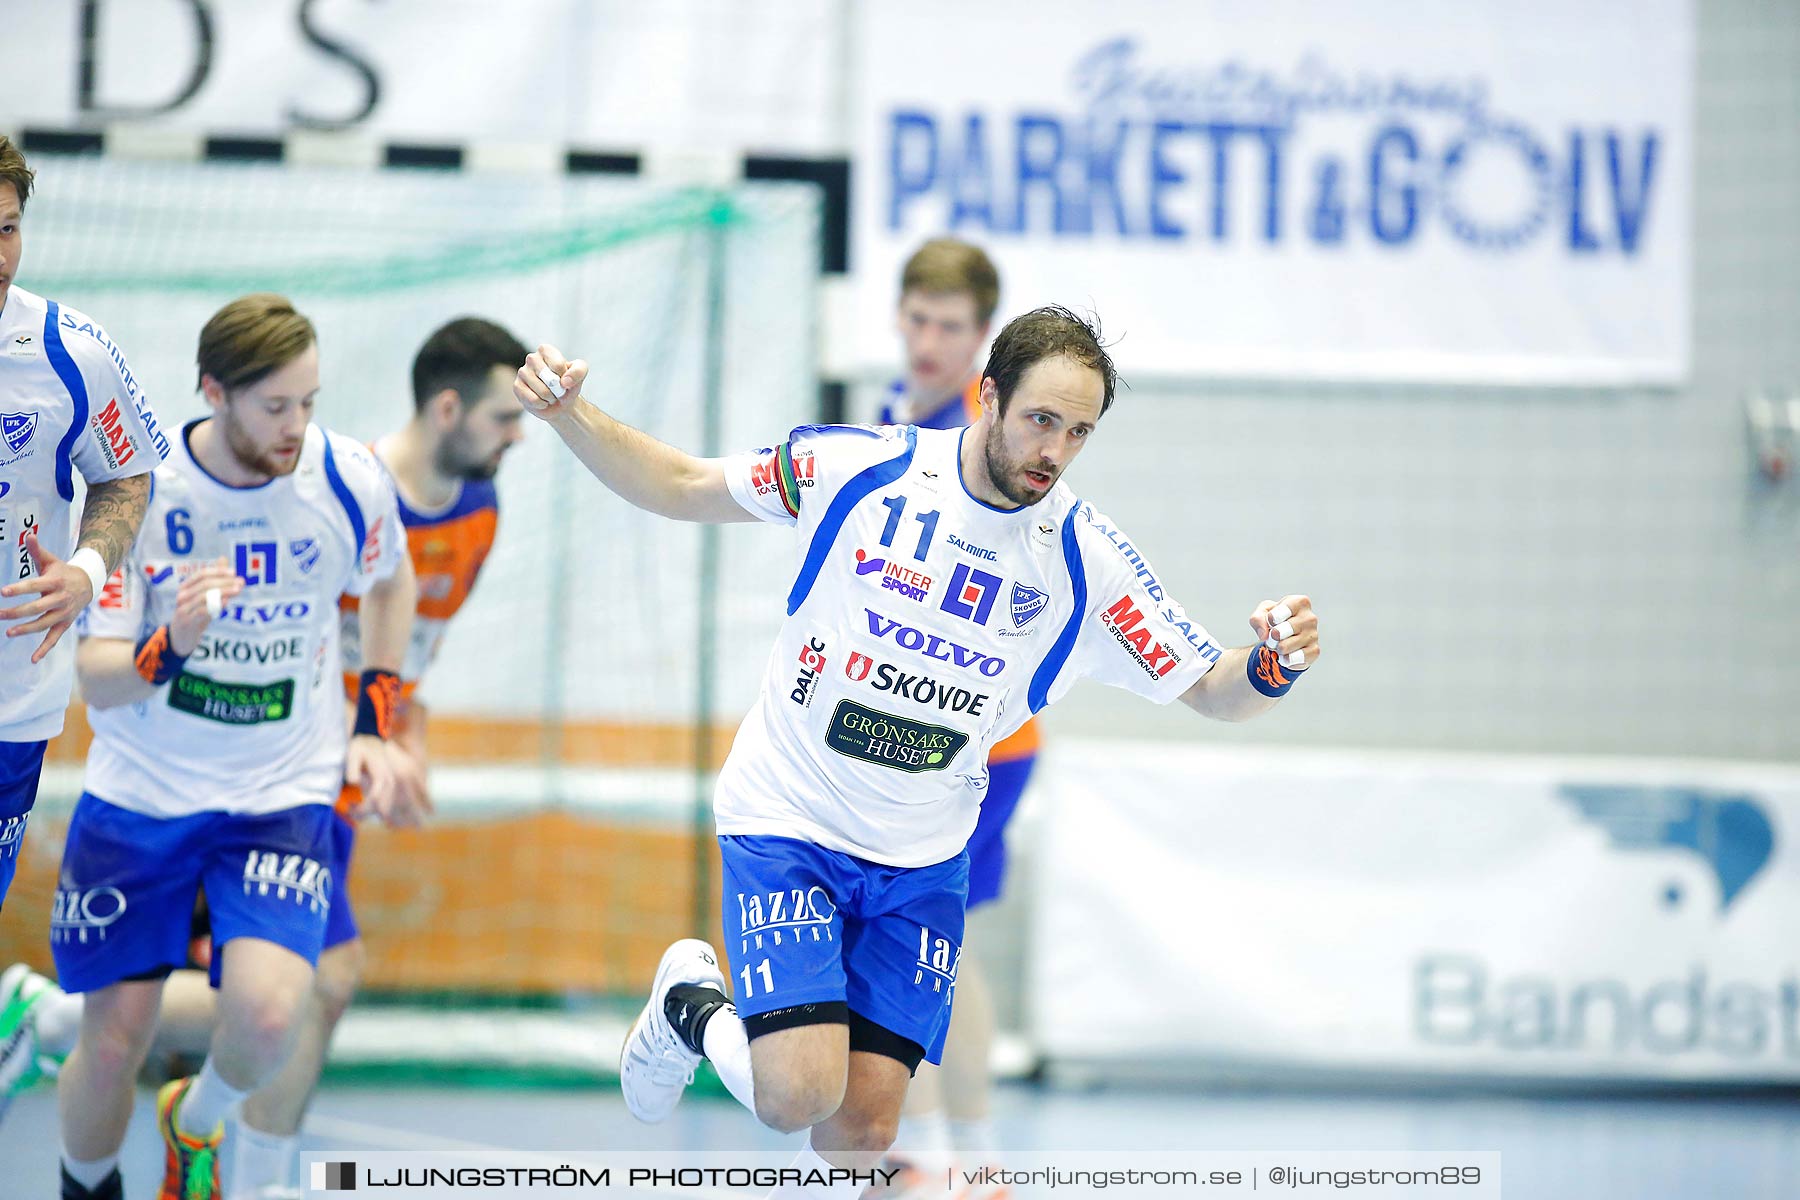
(1038, 696)
(863, 430)
(948, 415)
(358, 530)
(861, 484)
(70, 374)
(475, 495)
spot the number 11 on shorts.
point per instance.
(768, 978)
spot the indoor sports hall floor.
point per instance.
(1553, 1148)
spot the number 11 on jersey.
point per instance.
(927, 525)
(762, 969)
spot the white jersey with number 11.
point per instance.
(923, 626)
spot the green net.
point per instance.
(570, 749)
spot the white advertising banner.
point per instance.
(1489, 192)
(1442, 916)
(607, 74)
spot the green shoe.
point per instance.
(22, 990)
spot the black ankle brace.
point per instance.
(689, 1007)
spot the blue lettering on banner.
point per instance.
(1466, 1000)
(1170, 151)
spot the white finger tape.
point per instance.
(215, 604)
(1285, 630)
(1296, 659)
(1269, 642)
(552, 380)
(1281, 612)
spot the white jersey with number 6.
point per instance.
(925, 625)
(254, 721)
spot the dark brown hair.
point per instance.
(250, 337)
(1047, 332)
(460, 355)
(946, 265)
(14, 171)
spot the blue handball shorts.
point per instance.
(987, 845)
(340, 924)
(126, 893)
(20, 765)
(804, 925)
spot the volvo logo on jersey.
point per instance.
(931, 645)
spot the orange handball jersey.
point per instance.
(447, 548)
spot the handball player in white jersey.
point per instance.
(951, 585)
(211, 667)
(69, 405)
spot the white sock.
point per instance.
(923, 1136)
(209, 1100)
(727, 1047)
(973, 1139)
(89, 1175)
(806, 1162)
(259, 1160)
(57, 1020)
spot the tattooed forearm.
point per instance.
(111, 516)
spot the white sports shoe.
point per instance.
(656, 1066)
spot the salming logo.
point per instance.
(267, 872)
